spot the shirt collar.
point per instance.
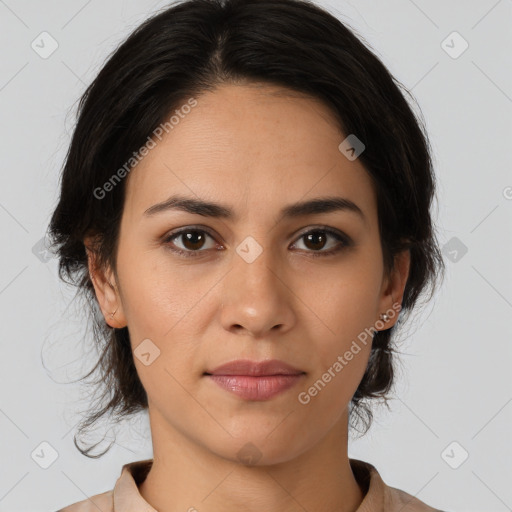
(127, 497)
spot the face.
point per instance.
(199, 289)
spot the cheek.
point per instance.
(346, 301)
(339, 358)
(326, 395)
(166, 304)
(158, 294)
(347, 309)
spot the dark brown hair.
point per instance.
(192, 47)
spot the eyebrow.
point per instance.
(216, 210)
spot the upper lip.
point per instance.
(255, 368)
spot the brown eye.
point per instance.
(316, 240)
(192, 241)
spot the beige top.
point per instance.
(125, 496)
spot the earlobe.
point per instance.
(106, 290)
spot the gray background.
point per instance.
(454, 382)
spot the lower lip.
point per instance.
(256, 388)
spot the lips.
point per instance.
(255, 368)
(253, 380)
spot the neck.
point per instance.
(188, 476)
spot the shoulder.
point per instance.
(381, 497)
(124, 493)
(103, 502)
(396, 499)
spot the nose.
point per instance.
(257, 297)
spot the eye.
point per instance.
(316, 239)
(193, 241)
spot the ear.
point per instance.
(106, 288)
(394, 285)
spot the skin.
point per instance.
(271, 147)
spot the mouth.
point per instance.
(253, 380)
(247, 367)
(256, 388)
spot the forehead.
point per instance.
(252, 145)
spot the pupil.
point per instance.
(190, 236)
(316, 235)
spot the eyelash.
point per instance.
(346, 242)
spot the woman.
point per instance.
(246, 199)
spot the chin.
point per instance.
(260, 447)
